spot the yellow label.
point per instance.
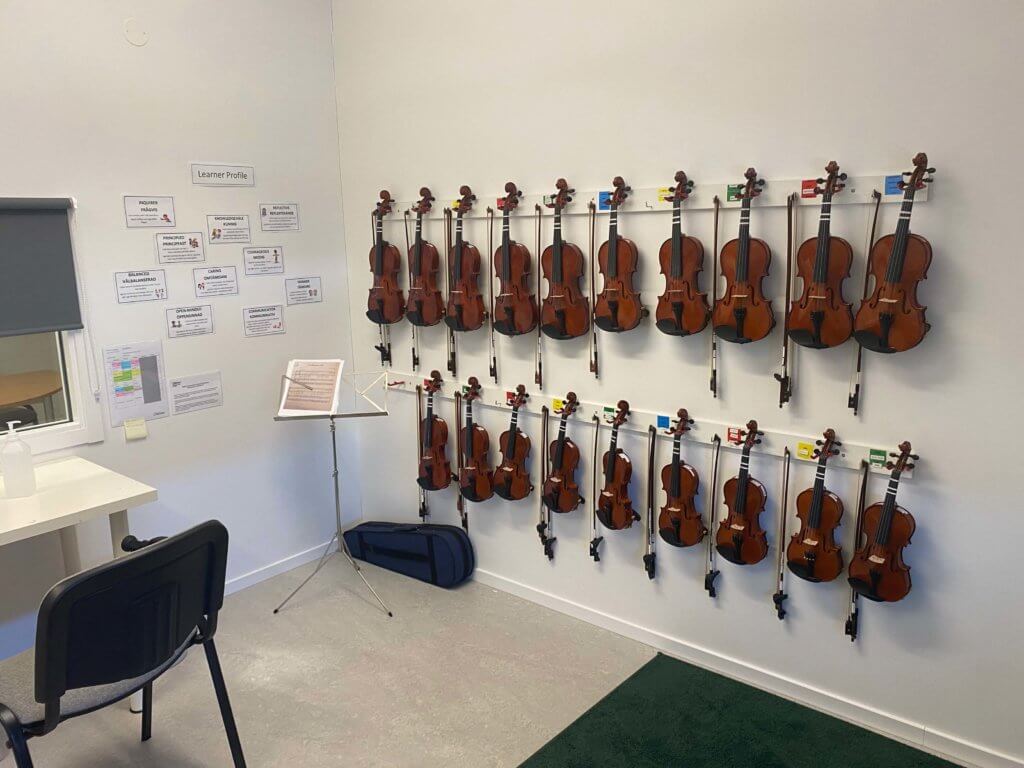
(557, 403)
(665, 194)
(805, 450)
(455, 204)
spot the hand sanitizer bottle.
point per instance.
(16, 463)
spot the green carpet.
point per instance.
(673, 714)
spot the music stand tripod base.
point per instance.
(338, 532)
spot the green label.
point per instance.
(878, 457)
(609, 410)
(733, 192)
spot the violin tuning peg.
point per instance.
(930, 170)
(819, 181)
(905, 173)
(757, 442)
(817, 442)
(836, 442)
(889, 465)
(843, 177)
(892, 454)
(914, 456)
(911, 466)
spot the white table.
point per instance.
(70, 491)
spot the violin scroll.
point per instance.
(621, 414)
(512, 197)
(519, 399)
(466, 199)
(682, 425)
(683, 187)
(425, 202)
(385, 205)
(833, 182)
(433, 384)
(828, 446)
(921, 174)
(753, 186)
(904, 459)
(473, 390)
(562, 197)
(569, 404)
(751, 436)
(621, 192)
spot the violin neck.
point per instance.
(613, 242)
(417, 266)
(888, 510)
(824, 236)
(556, 460)
(379, 244)
(428, 422)
(676, 446)
(741, 483)
(609, 470)
(899, 244)
(506, 269)
(457, 268)
(468, 441)
(814, 519)
(677, 239)
(556, 261)
(742, 261)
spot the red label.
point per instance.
(735, 435)
(809, 188)
(426, 382)
(501, 203)
(509, 397)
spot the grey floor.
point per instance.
(472, 677)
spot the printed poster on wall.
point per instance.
(140, 285)
(134, 376)
(264, 261)
(221, 229)
(148, 211)
(215, 281)
(179, 247)
(263, 321)
(278, 217)
(196, 320)
(303, 290)
(195, 393)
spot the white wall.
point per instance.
(449, 93)
(88, 115)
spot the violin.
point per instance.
(679, 522)
(614, 507)
(475, 476)
(740, 538)
(617, 307)
(435, 471)
(561, 492)
(515, 309)
(890, 319)
(742, 314)
(386, 304)
(812, 553)
(565, 311)
(821, 317)
(877, 570)
(511, 476)
(426, 307)
(682, 308)
(465, 310)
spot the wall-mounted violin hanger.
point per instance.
(858, 191)
(774, 442)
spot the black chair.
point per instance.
(26, 414)
(108, 632)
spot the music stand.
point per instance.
(353, 389)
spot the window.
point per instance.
(33, 381)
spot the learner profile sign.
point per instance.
(217, 175)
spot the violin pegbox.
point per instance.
(828, 445)
(682, 189)
(519, 398)
(562, 197)
(621, 414)
(433, 384)
(620, 193)
(753, 186)
(681, 425)
(904, 459)
(921, 174)
(425, 203)
(466, 200)
(512, 197)
(472, 389)
(569, 404)
(383, 207)
(833, 181)
(751, 435)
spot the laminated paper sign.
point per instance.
(277, 217)
(222, 229)
(143, 211)
(263, 321)
(178, 247)
(215, 281)
(195, 393)
(196, 320)
(264, 260)
(141, 285)
(303, 290)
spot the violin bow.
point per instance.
(538, 377)
(650, 555)
(452, 348)
(853, 618)
(780, 595)
(714, 300)
(853, 400)
(415, 328)
(595, 543)
(784, 379)
(424, 513)
(594, 367)
(490, 291)
(710, 574)
(544, 526)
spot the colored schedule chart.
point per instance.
(135, 382)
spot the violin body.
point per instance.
(435, 471)
(561, 492)
(877, 571)
(565, 312)
(614, 507)
(475, 476)
(812, 553)
(515, 311)
(385, 304)
(679, 522)
(821, 317)
(511, 478)
(465, 310)
(740, 538)
(743, 314)
(426, 306)
(617, 307)
(891, 319)
(682, 309)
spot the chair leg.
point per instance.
(147, 711)
(15, 738)
(225, 705)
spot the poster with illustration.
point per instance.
(226, 229)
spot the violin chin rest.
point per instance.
(669, 327)
(872, 342)
(802, 570)
(730, 553)
(864, 589)
(607, 324)
(554, 332)
(728, 333)
(805, 339)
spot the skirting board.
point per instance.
(273, 569)
(919, 736)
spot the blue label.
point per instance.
(664, 422)
(604, 201)
(892, 184)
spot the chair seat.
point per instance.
(18, 682)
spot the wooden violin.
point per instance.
(614, 507)
(475, 476)
(515, 308)
(812, 553)
(821, 317)
(679, 522)
(890, 318)
(565, 311)
(682, 308)
(617, 307)
(512, 476)
(435, 471)
(385, 304)
(740, 538)
(426, 306)
(877, 570)
(742, 314)
(561, 492)
(465, 310)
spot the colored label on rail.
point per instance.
(557, 403)
(878, 457)
(735, 435)
(804, 450)
(509, 397)
(664, 422)
(604, 201)
(665, 194)
(733, 192)
(809, 188)
(892, 184)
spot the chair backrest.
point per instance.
(127, 617)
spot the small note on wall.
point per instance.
(266, 320)
(303, 290)
(279, 217)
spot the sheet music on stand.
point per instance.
(318, 389)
